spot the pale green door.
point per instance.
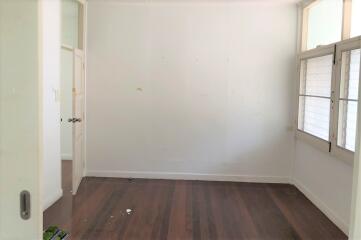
(20, 123)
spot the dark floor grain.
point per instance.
(165, 209)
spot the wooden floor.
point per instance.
(164, 209)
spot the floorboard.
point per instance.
(166, 209)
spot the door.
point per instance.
(20, 118)
(78, 119)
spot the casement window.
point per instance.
(346, 98)
(329, 75)
(315, 95)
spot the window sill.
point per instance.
(343, 155)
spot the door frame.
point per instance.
(82, 45)
(355, 223)
(82, 33)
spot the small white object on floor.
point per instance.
(129, 211)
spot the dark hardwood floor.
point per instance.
(164, 209)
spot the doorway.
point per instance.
(72, 88)
(72, 113)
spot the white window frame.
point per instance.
(314, 53)
(346, 20)
(345, 44)
(336, 50)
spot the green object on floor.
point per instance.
(54, 233)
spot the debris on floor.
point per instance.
(54, 233)
(129, 211)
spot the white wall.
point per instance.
(51, 104)
(326, 180)
(198, 90)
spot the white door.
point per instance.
(20, 118)
(78, 119)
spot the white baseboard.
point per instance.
(323, 207)
(65, 156)
(52, 198)
(188, 176)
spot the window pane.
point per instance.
(324, 23)
(354, 74)
(356, 18)
(316, 75)
(347, 124)
(69, 23)
(314, 116)
(350, 72)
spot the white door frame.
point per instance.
(82, 31)
(82, 27)
(355, 226)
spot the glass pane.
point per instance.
(356, 18)
(70, 12)
(350, 73)
(324, 23)
(347, 124)
(314, 116)
(316, 76)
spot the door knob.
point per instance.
(74, 120)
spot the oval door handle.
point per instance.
(25, 205)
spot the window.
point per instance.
(329, 75)
(347, 113)
(356, 18)
(315, 96)
(330, 21)
(324, 23)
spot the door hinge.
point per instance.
(329, 146)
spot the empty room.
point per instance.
(180, 119)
